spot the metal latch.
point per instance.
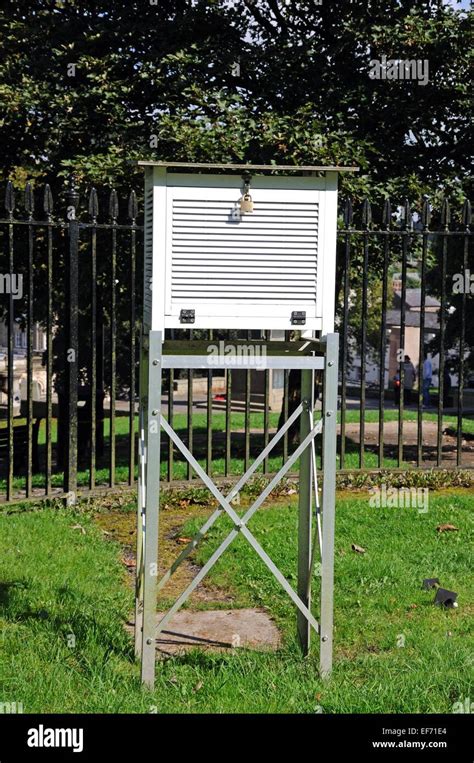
(187, 316)
(298, 317)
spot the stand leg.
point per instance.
(304, 515)
(150, 546)
(141, 495)
(328, 502)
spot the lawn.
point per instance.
(65, 596)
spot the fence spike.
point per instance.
(93, 205)
(366, 213)
(466, 213)
(348, 213)
(387, 213)
(48, 200)
(408, 215)
(113, 205)
(10, 198)
(29, 199)
(132, 206)
(445, 213)
(426, 214)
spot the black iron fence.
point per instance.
(71, 285)
(429, 298)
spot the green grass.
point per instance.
(199, 421)
(57, 581)
(218, 462)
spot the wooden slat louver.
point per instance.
(269, 256)
(148, 263)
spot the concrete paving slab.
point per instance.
(218, 631)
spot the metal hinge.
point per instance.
(298, 317)
(187, 316)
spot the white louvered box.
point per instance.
(207, 265)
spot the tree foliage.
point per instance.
(246, 80)
(91, 87)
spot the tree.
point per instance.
(90, 86)
(93, 86)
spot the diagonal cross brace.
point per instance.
(235, 490)
(240, 526)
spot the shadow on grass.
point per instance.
(70, 615)
(5, 592)
(239, 447)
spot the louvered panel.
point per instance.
(259, 258)
(264, 207)
(216, 257)
(242, 248)
(238, 232)
(216, 284)
(148, 258)
(230, 270)
(264, 223)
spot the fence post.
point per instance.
(72, 342)
(10, 207)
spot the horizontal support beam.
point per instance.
(228, 347)
(211, 363)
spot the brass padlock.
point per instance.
(246, 203)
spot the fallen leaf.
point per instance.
(129, 562)
(198, 686)
(184, 540)
(446, 528)
(358, 549)
(291, 491)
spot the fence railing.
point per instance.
(71, 300)
(421, 253)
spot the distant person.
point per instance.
(409, 380)
(446, 387)
(427, 379)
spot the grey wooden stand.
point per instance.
(306, 355)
